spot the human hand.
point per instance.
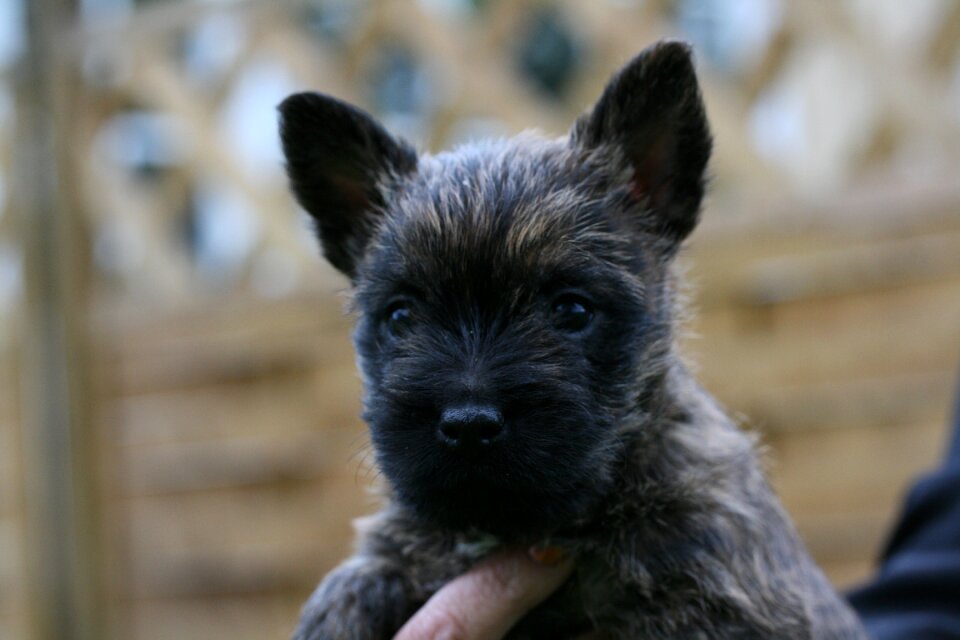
(485, 602)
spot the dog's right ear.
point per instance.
(342, 166)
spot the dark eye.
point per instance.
(572, 313)
(398, 319)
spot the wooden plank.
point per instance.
(10, 485)
(868, 209)
(885, 400)
(217, 363)
(198, 361)
(13, 627)
(842, 469)
(9, 387)
(753, 273)
(287, 404)
(236, 462)
(12, 573)
(231, 319)
(881, 266)
(251, 541)
(64, 579)
(914, 329)
(255, 617)
(254, 342)
(735, 271)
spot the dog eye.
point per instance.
(398, 319)
(572, 313)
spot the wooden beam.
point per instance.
(64, 586)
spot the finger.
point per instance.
(485, 602)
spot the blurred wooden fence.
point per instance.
(225, 397)
(238, 461)
(836, 333)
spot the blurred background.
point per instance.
(180, 453)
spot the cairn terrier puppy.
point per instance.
(516, 321)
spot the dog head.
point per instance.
(514, 296)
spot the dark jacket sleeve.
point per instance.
(916, 592)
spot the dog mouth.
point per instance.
(502, 499)
(517, 476)
(507, 515)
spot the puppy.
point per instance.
(516, 332)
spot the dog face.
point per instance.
(514, 297)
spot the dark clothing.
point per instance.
(916, 592)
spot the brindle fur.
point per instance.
(612, 449)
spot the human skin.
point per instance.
(486, 601)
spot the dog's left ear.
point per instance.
(651, 117)
(343, 168)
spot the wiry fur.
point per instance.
(609, 447)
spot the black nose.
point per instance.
(470, 425)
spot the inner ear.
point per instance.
(651, 180)
(651, 116)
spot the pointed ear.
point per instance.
(651, 116)
(342, 166)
